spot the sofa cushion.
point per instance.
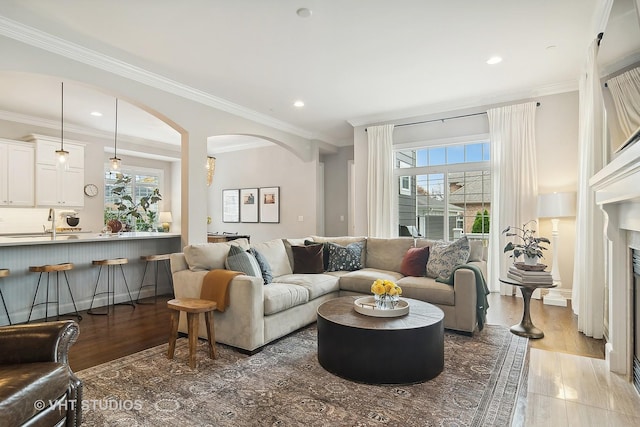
(265, 268)
(444, 256)
(315, 284)
(276, 255)
(347, 258)
(208, 256)
(414, 262)
(387, 254)
(361, 280)
(287, 247)
(427, 289)
(240, 260)
(308, 259)
(421, 243)
(476, 250)
(282, 296)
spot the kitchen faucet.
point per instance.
(52, 218)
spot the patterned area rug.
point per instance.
(284, 385)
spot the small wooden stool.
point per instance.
(56, 268)
(4, 272)
(156, 260)
(111, 285)
(193, 307)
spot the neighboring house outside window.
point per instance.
(450, 188)
(144, 181)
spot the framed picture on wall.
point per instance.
(270, 204)
(231, 205)
(249, 205)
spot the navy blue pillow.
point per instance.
(265, 268)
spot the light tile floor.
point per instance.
(569, 390)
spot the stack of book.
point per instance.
(530, 277)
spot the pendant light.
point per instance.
(61, 154)
(211, 168)
(115, 161)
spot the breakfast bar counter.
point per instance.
(19, 252)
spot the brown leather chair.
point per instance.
(37, 386)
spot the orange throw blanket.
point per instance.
(215, 286)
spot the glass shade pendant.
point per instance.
(115, 161)
(211, 168)
(62, 156)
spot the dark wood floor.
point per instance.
(127, 330)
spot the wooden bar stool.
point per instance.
(193, 307)
(56, 268)
(4, 272)
(111, 285)
(155, 259)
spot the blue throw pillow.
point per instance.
(265, 268)
(345, 258)
(239, 260)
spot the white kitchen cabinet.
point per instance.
(17, 186)
(56, 185)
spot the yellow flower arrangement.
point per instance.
(386, 293)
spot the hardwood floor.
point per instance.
(127, 330)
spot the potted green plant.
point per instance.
(526, 244)
(137, 216)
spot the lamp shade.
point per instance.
(165, 217)
(556, 205)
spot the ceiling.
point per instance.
(351, 62)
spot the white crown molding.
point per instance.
(40, 39)
(462, 104)
(612, 67)
(79, 130)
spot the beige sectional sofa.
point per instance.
(259, 313)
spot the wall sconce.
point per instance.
(211, 167)
(166, 219)
(61, 154)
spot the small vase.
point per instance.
(386, 302)
(530, 260)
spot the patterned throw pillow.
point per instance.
(444, 256)
(265, 268)
(239, 260)
(345, 258)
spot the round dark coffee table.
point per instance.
(381, 350)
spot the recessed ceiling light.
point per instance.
(494, 60)
(298, 104)
(96, 113)
(303, 12)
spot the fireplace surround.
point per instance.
(617, 192)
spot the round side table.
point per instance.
(526, 327)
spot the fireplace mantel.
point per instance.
(617, 192)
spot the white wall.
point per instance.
(557, 158)
(267, 167)
(335, 184)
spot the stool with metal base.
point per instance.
(156, 260)
(4, 272)
(56, 268)
(111, 279)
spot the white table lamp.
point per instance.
(166, 219)
(556, 206)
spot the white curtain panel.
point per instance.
(381, 197)
(515, 181)
(587, 299)
(625, 91)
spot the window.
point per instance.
(142, 184)
(452, 193)
(405, 181)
